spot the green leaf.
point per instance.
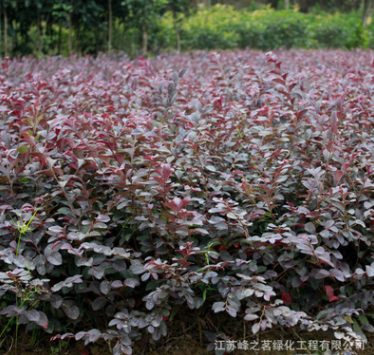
(22, 149)
(356, 326)
(151, 285)
(363, 320)
(64, 210)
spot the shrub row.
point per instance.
(226, 28)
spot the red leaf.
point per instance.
(286, 298)
(329, 291)
(271, 57)
(330, 294)
(167, 171)
(338, 176)
(333, 298)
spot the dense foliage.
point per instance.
(239, 182)
(63, 27)
(267, 29)
(83, 27)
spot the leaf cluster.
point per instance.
(239, 182)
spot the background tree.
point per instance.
(179, 9)
(143, 14)
(62, 15)
(110, 25)
(367, 10)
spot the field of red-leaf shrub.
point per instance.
(238, 182)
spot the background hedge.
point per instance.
(222, 27)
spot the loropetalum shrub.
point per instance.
(240, 182)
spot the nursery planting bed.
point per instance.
(217, 196)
